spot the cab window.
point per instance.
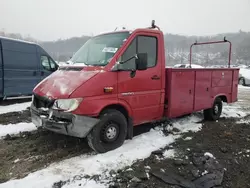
(141, 44)
(130, 51)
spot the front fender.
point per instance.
(92, 106)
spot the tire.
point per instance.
(242, 82)
(110, 133)
(213, 114)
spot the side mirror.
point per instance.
(54, 69)
(141, 61)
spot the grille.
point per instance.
(42, 102)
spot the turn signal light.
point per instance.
(108, 89)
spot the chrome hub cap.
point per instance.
(111, 133)
(216, 109)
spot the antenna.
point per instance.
(115, 28)
(153, 26)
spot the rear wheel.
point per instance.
(109, 133)
(213, 113)
(242, 82)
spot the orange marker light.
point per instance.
(108, 89)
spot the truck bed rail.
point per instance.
(212, 42)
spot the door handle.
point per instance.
(42, 73)
(155, 77)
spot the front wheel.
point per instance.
(109, 133)
(213, 114)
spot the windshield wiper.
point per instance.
(96, 63)
(80, 62)
(69, 62)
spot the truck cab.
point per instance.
(115, 81)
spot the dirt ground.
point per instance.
(31, 151)
(228, 141)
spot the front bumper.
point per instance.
(62, 122)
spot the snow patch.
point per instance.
(204, 173)
(233, 111)
(14, 107)
(138, 148)
(243, 87)
(169, 153)
(147, 167)
(16, 128)
(188, 124)
(246, 121)
(101, 164)
(17, 160)
(129, 169)
(188, 138)
(209, 155)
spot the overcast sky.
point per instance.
(54, 19)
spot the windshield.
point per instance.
(99, 50)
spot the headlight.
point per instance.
(67, 105)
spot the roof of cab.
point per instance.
(119, 31)
(130, 31)
(17, 40)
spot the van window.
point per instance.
(48, 63)
(45, 63)
(52, 64)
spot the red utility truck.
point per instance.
(118, 80)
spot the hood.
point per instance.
(62, 83)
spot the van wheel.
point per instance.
(242, 82)
(109, 133)
(213, 113)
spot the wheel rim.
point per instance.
(110, 132)
(241, 82)
(216, 109)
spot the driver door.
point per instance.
(142, 91)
